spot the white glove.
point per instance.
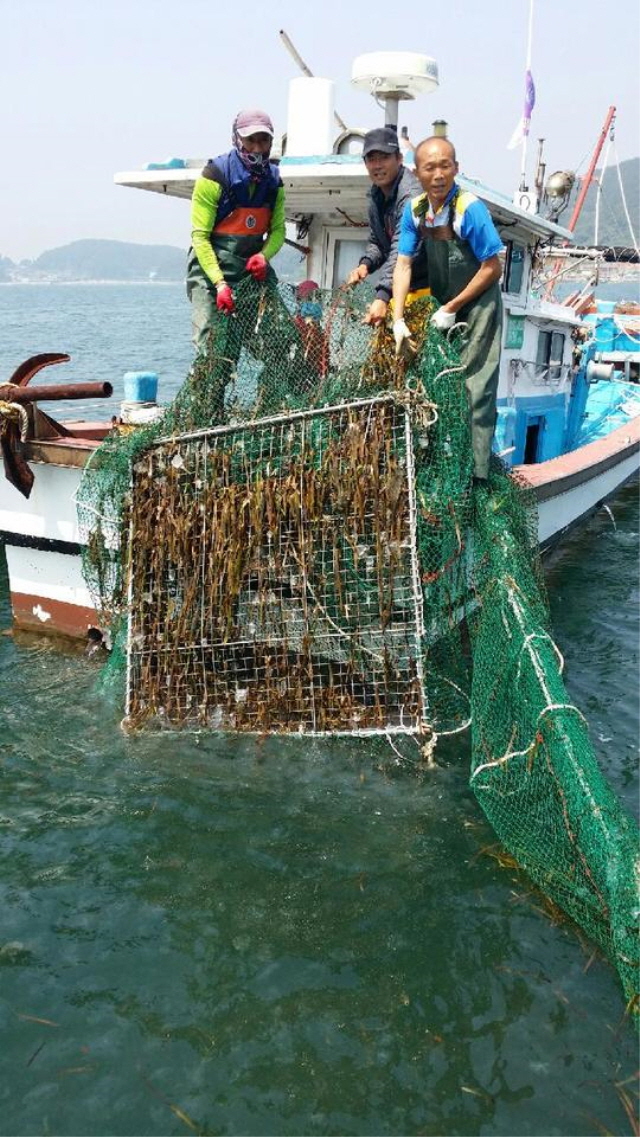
(401, 335)
(443, 320)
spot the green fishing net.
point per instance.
(297, 546)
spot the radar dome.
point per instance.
(401, 74)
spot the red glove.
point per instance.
(224, 299)
(257, 265)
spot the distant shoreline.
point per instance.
(66, 283)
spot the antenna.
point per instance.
(306, 70)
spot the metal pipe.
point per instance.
(588, 178)
(13, 394)
(611, 113)
(306, 70)
(391, 111)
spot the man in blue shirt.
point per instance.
(456, 233)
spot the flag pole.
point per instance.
(525, 133)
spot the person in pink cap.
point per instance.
(237, 221)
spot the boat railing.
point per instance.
(553, 374)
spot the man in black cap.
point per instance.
(393, 185)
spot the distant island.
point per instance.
(119, 261)
(613, 229)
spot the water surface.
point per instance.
(216, 935)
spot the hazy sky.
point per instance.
(91, 87)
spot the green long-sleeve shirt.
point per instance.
(204, 209)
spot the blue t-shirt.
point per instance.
(471, 222)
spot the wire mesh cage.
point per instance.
(274, 581)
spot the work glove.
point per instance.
(402, 336)
(443, 320)
(224, 299)
(257, 266)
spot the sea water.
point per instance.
(222, 936)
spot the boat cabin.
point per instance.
(326, 185)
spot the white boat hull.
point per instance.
(43, 546)
(569, 488)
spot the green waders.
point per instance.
(451, 266)
(281, 351)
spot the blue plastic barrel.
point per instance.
(140, 386)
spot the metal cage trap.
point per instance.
(274, 581)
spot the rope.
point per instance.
(509, 754)
(630, 328)
(596, 227)
(14, 412)
(624, 202)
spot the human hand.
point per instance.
(402, 336)
(257, 266)
(443, 320)
(358, 274)
(376, 312)
(224, 299)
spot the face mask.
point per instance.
(252, 161)
(256, 164)
(310, 309)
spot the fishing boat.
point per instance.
(547, 432)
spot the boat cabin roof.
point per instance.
(335, 186)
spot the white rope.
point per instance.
(624, 201)
(394, 748)
(467, 722)
(509, 754)
(578, 770)
(596, 227)
(628, 328)
(541, 636)
(16, 410)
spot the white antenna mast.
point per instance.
(528, 106)
(306, 70)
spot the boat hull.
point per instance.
(571, 487)
(43, 547)
(44, 551)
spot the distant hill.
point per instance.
(122, 261)
(111, 260)
(613, 228)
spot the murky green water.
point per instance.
(221, 936)
(217, 936)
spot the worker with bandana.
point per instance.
(462, 246)
(237, 221)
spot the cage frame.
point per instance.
(401, 404)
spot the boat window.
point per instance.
(550, 354)
(544, 350)
(557, 355)
(347, 254)
(513, 268)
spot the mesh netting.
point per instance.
(533, 767)
(297, 545)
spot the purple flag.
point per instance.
(529, 101)
(522, 129)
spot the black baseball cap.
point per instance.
(383, 138)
